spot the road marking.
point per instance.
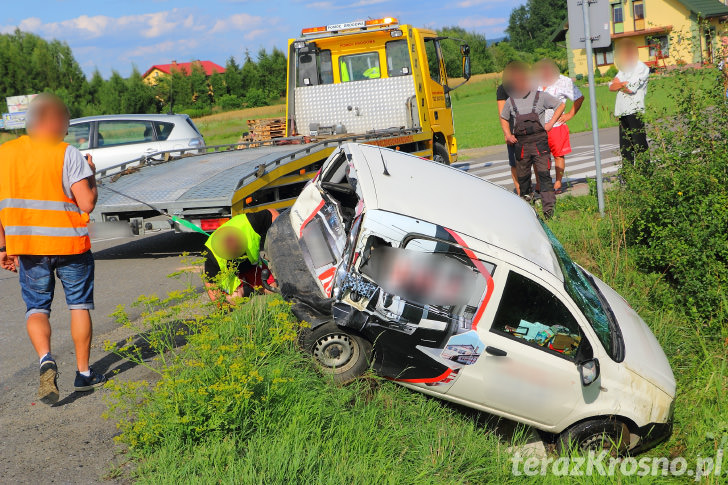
(580, 165)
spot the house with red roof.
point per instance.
(157, 71)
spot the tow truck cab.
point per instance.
(373, 76)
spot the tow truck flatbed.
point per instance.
(198, 187)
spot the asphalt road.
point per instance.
(71, 443)
(491, 163)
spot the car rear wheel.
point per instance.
(338, 353)
(595, 435)
(440, 154)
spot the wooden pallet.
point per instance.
(265, 129)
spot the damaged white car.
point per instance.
(453, 287)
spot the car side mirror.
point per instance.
(589, 371)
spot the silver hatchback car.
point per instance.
(114, 139)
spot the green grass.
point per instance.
(476, 110)
(240, 403)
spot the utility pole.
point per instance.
(593, 105)
(582, 15)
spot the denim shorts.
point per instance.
(37, 281)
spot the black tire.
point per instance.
(595, 435)
(337, 352)
(440, 154)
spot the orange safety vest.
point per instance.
(37, 215)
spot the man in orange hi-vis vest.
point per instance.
(47, 189)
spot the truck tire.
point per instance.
(595, 435)
(337, 352)
(440, 154)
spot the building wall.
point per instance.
(684, 39)
(153, 77)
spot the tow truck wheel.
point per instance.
(440, 154)
(337, 353)
(595, 435)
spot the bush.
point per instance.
(597, 72)
(195, 112)
(256, 97)
(677, 194)
(611, 72)
(230, 102)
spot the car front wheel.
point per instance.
(440, 154)
(595, 435)
(340, 354)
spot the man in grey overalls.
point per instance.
(522, 120)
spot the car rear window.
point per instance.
(163, 130)
(192, 124)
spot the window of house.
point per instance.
(79, 135)
(398, 61)
(638, 12)
(113, 133)
(659, 46)
(432, 48)
(604, 57)
(618, 17)
(531, 313)
(359, 67)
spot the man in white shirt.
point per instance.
(561, 87)
(631, 86)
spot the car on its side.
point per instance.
(452, 286)
(115, 139)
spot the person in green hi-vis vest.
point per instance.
(237, 242)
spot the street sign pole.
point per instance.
(593, 103)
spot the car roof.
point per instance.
(130, 117)
(454, 199)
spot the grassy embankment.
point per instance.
(239, 403)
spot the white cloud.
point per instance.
(475, 3)
(178, 46)
(149, 25)
(480, 22)
(239, 21)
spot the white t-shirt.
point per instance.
(636, 79)
(564, 88)
(75, 169)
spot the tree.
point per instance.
(233, 78)
(250, 75)
(138, 96)
(532, 25)
(481, 60)
(217, 87)
(198, 85)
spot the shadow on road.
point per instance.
(108, 364)
(164, 245)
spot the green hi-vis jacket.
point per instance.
(231, 282)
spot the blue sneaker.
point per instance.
(48, 389)
(83, 383)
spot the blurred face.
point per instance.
(232, 245)
(52, 123)
(627, 57)
(517, 82)
(547, 75)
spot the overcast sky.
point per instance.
(114, 34)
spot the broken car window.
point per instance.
(587, 298)
(530, 312)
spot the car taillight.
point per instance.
(212, 224)
(196, 142)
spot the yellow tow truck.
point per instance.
(369, 81)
